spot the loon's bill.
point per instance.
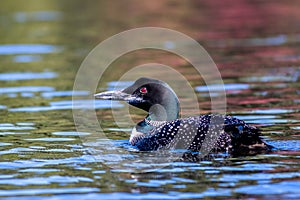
(116, 95)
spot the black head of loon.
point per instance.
(153, 96)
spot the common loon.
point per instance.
(163, 129)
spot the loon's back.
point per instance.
(202, 133)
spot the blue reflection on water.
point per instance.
(286, 145)
(64, 94)
(69, 104)
(271, 188)
(9, 126)
(27, 58)
(11, 49)
(255, 42)
(272, 78)
(118, 85)
(38, 16)
(7, 90)
(71, 133)
(44, 180)
(274, 111)
(217, 87)
(25, 164)
(35, 191)
(2, 107)
(16, 76)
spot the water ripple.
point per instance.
(11, 49)
(69, 105)
(43, 16)
(27, 58)
(64, 94)
(18, 89)
(39, 191)
(18, 126)
(285, 187)
(256, 42)
(25, 164)
(70, 133)
(17, 76)
(43, 180)
(225, 87)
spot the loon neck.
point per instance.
(148, 121)
(158, 115)
(141, 130)
(163, 112)
(146, 125)
(144, 128)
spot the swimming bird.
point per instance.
(163, 129)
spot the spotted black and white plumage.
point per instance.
(162, 129)
(190, 133)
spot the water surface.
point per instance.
(42, 44)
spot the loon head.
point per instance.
(154, 96)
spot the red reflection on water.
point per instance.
(244, 18)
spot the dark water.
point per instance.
(255, 45)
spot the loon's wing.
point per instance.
(245, 138)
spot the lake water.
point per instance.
(255, 45)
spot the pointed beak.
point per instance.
(117, 95)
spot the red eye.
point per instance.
(143, 90)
